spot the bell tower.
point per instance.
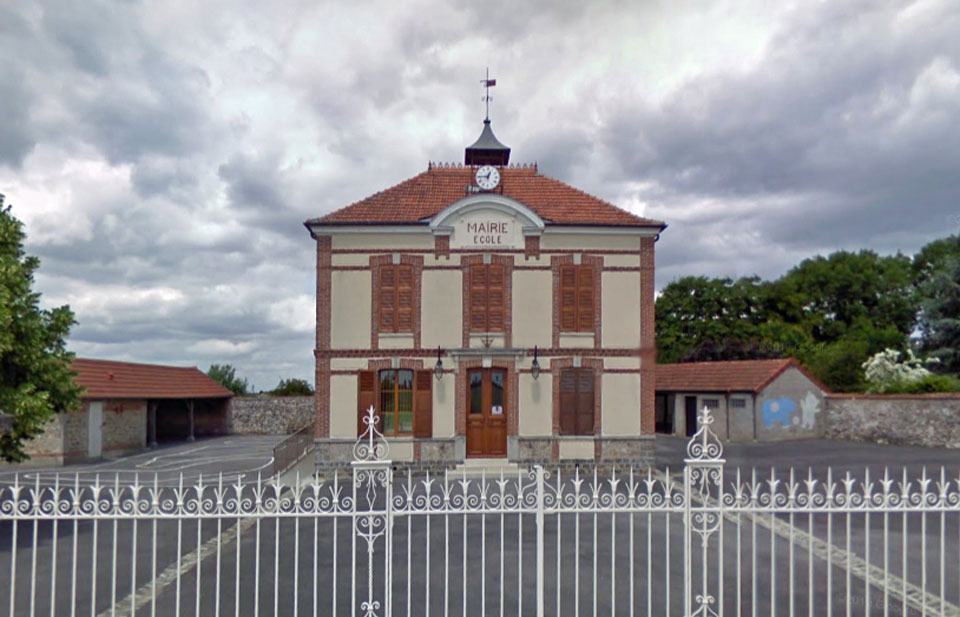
(487, 150)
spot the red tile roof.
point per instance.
(109, 379)
(728, 376)
(426, 194)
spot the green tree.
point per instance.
(852, 295)
(838, 364)
(35, 377)
(940, 316)
(937, 268)
(933, 256)
(714, 313)
(292, 387)
(226, 376)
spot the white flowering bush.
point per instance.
(887, 373)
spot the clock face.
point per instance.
(488, 177)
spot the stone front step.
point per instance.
(491, 467)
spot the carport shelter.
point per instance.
(750, 400)
(128, 406)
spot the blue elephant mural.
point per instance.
(778, 410)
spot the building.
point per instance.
(751, 400)
(486, 310)
(127, 407)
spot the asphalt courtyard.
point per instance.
(486, 564)
(236, 458)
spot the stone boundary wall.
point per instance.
(269, 415)
(929, 420)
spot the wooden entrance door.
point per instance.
(487, 412)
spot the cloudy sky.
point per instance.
(163, 156)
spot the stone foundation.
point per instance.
(438, 454)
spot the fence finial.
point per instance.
(371, 445)
(704, 445)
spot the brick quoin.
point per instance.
(321, 400)
(441, 246)
(531, 246)
(648, 343)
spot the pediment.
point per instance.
(487, 221)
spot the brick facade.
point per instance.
(648, 344)
(322, 375)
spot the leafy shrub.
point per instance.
(292, 387)
(931, 382)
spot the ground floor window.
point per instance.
(396, 402)
(576, 401)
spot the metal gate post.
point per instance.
(372, 472)
(540, 559)
(702, 473)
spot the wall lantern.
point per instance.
(535, 367)
(438, 367)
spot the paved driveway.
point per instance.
(236, 457)
(818, 454)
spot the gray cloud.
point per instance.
(164, 157)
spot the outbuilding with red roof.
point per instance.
(749, 400)
(129, 406)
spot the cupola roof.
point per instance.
(487, 150)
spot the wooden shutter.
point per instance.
(404, 318)
(568, 298)
(496, 298)
(568, 402)
(576, 401)
(585, 312)
(577, 298)
(478, 298)
(584, 402)
(423, 404)
(388, 299)
(366, 397)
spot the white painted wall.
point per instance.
(444, 406)
(343, 406)
(532, 320)
(441, 309)
(350, 309)
(621, 404)
(620, 309)
(386, 240)
(536, 405)
(576, 448)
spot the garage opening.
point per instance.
(186, 419)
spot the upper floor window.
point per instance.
(577, 301)
(396, 298)
(487, 298)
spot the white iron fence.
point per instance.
(541, 542)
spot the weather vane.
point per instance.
(487, 83)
